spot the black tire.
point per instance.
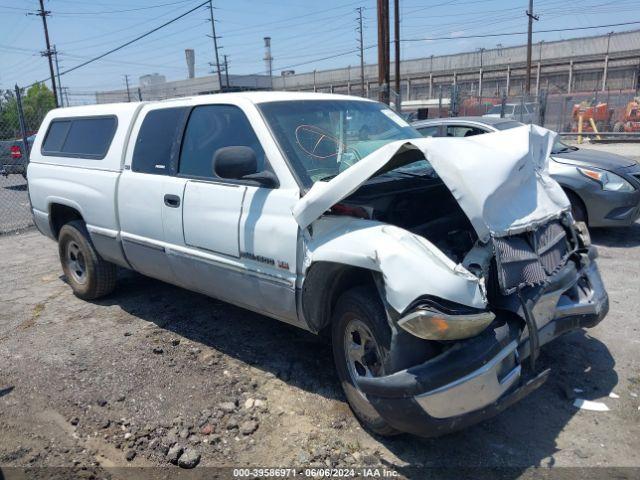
(578, 210)
(89, 275)
(362, 304)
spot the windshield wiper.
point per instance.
(327, 177)
(415, 175)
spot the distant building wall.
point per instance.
(586, 58)
(183, 88)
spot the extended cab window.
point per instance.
(211, 127)
(158, 141)
(88, 137)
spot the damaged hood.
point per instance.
(501, 180)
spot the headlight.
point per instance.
(431, 324)
(607, 180)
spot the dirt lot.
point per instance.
(117, 382)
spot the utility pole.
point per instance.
(226, 71)
(396, 41)
(480, 75)
(126, 81)
(359, 29)
(55, 54)
(383, 51)
(606, 62)
(215, 43)
(531, 17)
(48, 53)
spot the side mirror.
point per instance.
(234, 162)
(240, 163)
(265, 178)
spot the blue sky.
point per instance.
(303, 32)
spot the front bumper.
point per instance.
(477, 378)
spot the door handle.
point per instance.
(172, 201)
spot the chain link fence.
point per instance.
(589, 112)
(18, 126)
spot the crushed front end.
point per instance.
(540, 283)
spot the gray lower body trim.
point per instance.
(108, 245)
(474, 391)
(41, 221)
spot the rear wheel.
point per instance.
(361, 340)
(89, 275)
(618, 127)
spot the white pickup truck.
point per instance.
(438, 266)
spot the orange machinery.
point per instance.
(595, 117)
(630, 118)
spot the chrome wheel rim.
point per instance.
(76, 264)
(362, 352)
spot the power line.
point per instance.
(120, 47)
(121, 11)
(505, 34)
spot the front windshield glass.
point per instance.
(559, 147)
(496, 109)
(508, 125)
(322, 138)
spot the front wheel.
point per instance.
(361, 340)
(89, 275)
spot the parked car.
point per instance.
(13, 159)
(285, 204)
(604, 188)
(522, 112)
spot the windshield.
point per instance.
(322, 138)
(508, 125)
(495, 110)
(559, 147)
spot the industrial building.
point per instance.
(604, 63)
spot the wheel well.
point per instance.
(59, 215)
(323, 285)
(575, 198)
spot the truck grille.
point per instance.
(530, 258)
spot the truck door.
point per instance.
(232, 230)
(143, 201)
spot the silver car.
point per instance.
(522, 112)
(604, 188)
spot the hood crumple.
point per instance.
(501, 179)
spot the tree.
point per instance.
(35, 105)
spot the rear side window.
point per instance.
(430, 131)
(86, 137)
(158, 141)
(463, 131)
(211, 127)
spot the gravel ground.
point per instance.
(155, 375)
(14, 204)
